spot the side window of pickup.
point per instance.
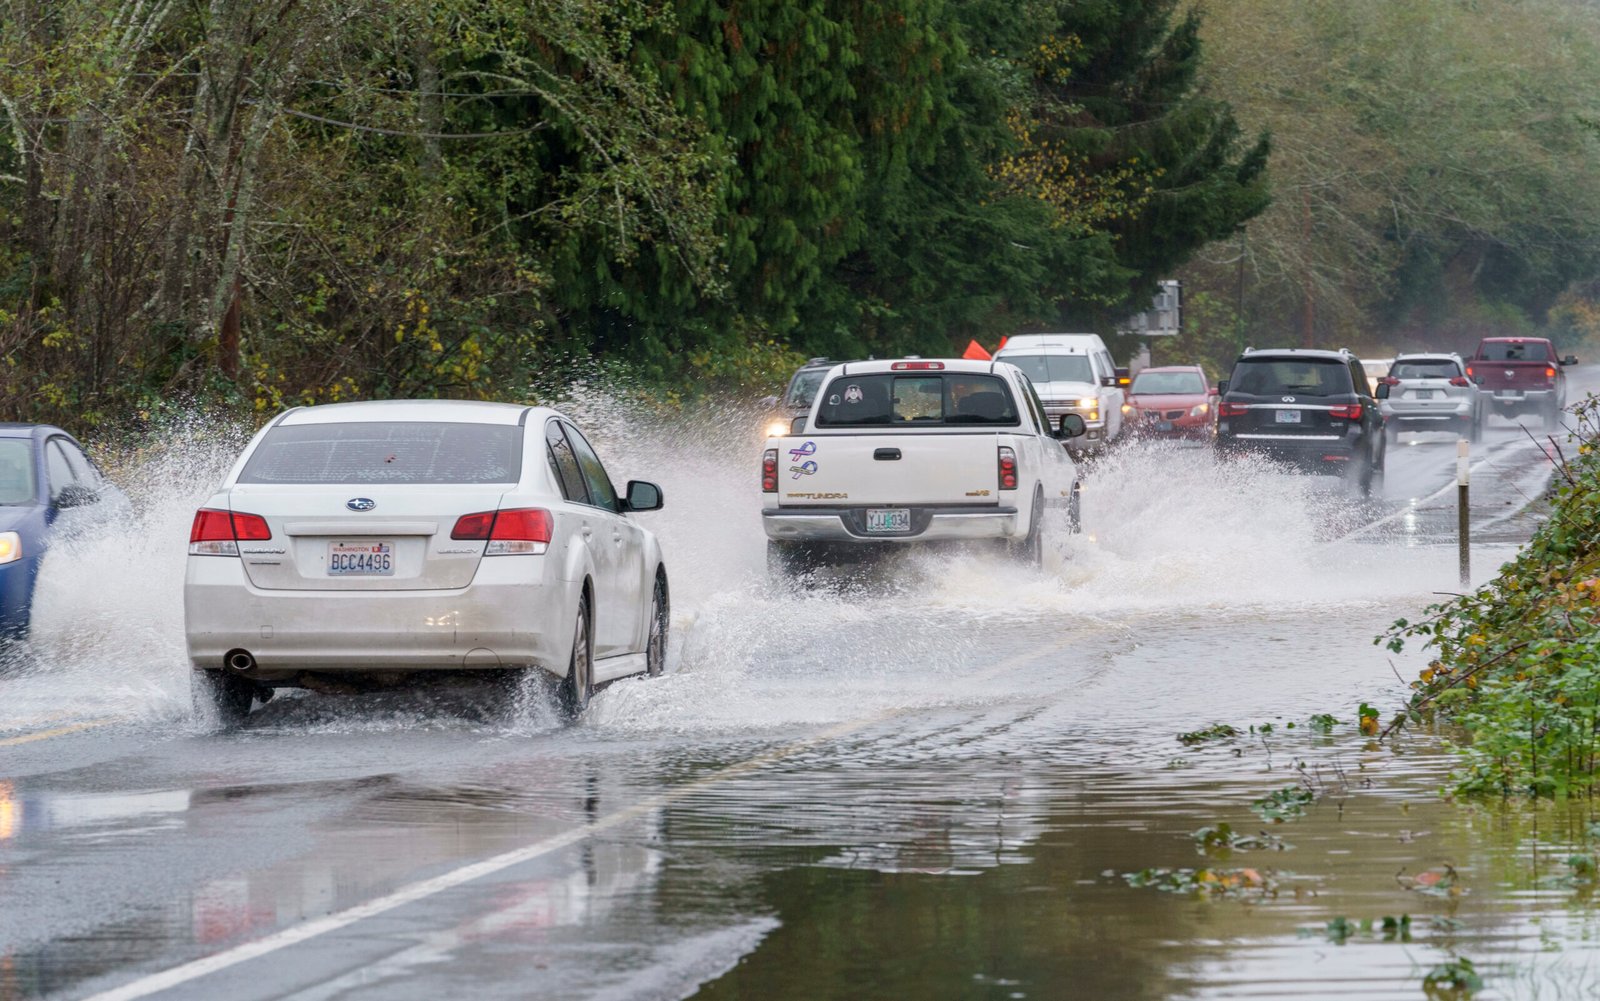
(1039, 416)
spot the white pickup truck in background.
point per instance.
(916, 451)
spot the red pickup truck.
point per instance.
(1521, 375)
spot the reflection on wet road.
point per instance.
(927, 781)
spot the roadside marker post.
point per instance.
(1464, 510)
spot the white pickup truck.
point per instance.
(916, 451)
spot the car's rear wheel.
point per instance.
(577, 688)
(1552, 417)
(1030, 551)
(655, 647)
(1075, 510)
(226, 697)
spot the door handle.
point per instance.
(886, 454)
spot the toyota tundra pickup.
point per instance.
(1521, 375)
(914, 451)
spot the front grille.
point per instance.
(1173, 415)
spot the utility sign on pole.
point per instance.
(1164, 318)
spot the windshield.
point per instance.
(1425, 368)
(387, 452)
(1512, 351)
(1159, 383)
(1041, 369)
(887, 400)
(803, 388)
(1300, 376)
(17, 485)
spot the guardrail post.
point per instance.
(1464, 510)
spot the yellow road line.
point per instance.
(61, 731)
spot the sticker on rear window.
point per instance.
(852, 394)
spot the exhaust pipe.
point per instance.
(241, 661)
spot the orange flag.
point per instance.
(975, 352)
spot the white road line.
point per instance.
(410, 893)
(1417, 502)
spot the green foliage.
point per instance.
(1287, 803)
(1223, 836)
(1216, 731)
(1213, 883)
(1518, 661)
(1451, 980)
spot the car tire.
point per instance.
(1075, 510)
(1030, 551)
(577, 688)
(225, 697)
(655, 643)
(1552, 417)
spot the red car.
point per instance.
(1173, 401)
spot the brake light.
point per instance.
(1232, 409)
(1349, 412)
(1549, 372)
(769, 471)
(1008, 468)
(522, 531)
(218, 533)
(1460, 380)
(1470, 373)
(917, 366)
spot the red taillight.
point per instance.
(513, 532)
(1231, 409)
(769, 471)
(1549, 372)
(1470, 373)
(216, 533)
(1460, 380)
(917, 366)
(1008, 468)
(1350, 412)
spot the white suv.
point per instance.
(1431, 392)
(1073, 374)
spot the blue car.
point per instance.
(47, 486)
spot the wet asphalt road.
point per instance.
(909, 784)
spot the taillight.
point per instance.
(917, 366)
(1349, 412)
(218, 533)
(1460, 380)
(1008, 468)
(522, 531)
(1232, 409)
(1470, 373)
(769, 471)
(1549, 372)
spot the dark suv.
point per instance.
(1311, 409)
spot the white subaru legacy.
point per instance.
(354, 542)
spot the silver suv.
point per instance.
(1431, 392)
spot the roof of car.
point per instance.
(1320, 354)
(18, 429)
(1171, 368)
(463, 411)
(1515, 340)
(1427, 355)
(888, 365)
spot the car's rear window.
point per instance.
(1299, 376)
(916, 400)
(387, 452)
(1513, 351)
(1163, 383)
(1425, 368)
(17, 485)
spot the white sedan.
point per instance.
(355, 542)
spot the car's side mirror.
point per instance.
(644, 496)
(1108, 381)
(1382, 392)
(798, 425)
(1072, 426)
(1214, 391)
(1569, 360)
(76, 495)
(1222, 387)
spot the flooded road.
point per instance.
(938, 779)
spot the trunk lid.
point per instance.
(1513, 374)
(400, 543)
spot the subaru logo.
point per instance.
(1288, 399)
(361, 503)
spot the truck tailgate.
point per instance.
(1502, 375)
(904, 469)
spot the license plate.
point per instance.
(1288, 417)
(360, 559)
(884, 520)
(1163, 425)
(1423, 394)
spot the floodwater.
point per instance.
(932, 777)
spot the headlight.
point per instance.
(1199, 410)
(1089, 401)
(1127, 409)
(10, 547)
(777, 429)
